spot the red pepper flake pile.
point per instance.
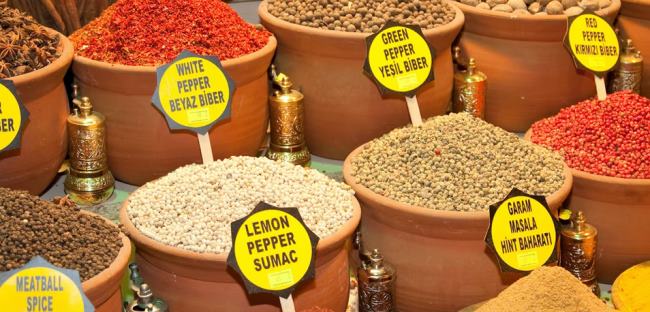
(609, 138)
(154, 32)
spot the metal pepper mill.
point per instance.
(89, 181)
(579, 244)
(469, 91)
(629, 73)
(376, 285)
(287, 130)
(147, 302)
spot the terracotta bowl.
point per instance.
(343, 107)
(44, 140)
(634, 23)
(531, 75)
(103, 290)
(620, 210)
(191, 281)
(140, 145)
(441, 259)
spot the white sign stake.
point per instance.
(287, 304)
(414, 110)
(206, 147)
(600, 88)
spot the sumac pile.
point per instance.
(609, 138)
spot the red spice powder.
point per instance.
(154, 32)
(610, 138)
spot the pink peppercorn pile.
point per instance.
(609, 138)
(154, 32)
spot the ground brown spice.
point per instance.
(547, 289)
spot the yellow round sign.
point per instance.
(40, 289)
(593, 43)
(193, 92)
(273, 250)
(523, 233)
(10, 117)
(399, 59)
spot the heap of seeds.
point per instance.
(610, 137)
(540, 7)
(192, 207)
(363, 15)
(455, 162)
(546, 289)
(154, 32)
(62, 235)
(25, 46)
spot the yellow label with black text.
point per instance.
(40, 289)
(273, 250)
(523, 233)
(400, 59)
(593, 42)
(10, 117)
(194, 92)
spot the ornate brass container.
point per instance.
(287, 137)
(629, 73)
(469, 91)
(376, 285)
(145, 301)
(89, 181)
(578, 251)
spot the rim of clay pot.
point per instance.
(187, 257)
(523, 27)
(265, 15)
(59, 64)
(98, 282)
(554, 199)
(599, 178)
(269, 48)
(636, 8)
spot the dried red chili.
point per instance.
(610, 138)
(153, 32)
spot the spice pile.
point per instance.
(610, 138)
(363, 15)
(539, 7)
(154, 32)
(25, 46)
(455, 162)
(192, 207)
(547, 289)
(30, 226)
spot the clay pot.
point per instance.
(43, 146)
(531, 75)
(191, 281)
(441, 259)
(634, 23)
(343, 107)
(620, 209)
(140, 145)
(103, 290)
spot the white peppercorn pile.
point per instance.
(457, 163)
(30, 226)
(192, 207)
(539, 7)
(362, 15)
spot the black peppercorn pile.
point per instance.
(25, 45)
(362, 15)
(30, 226)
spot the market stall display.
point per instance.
(67, 238)
(115, 66)
(531, 73)
(606, 143)
(343, 108)
(186, 257)
(425, 193)
(35, 59)
(634, 23)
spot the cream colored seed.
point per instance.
(193, 206)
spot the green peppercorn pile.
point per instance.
(30, 226)
(457, 163)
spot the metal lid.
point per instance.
(471, 75)
(579, 229)
(631, 54)
(377, 269)
(286, 94)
